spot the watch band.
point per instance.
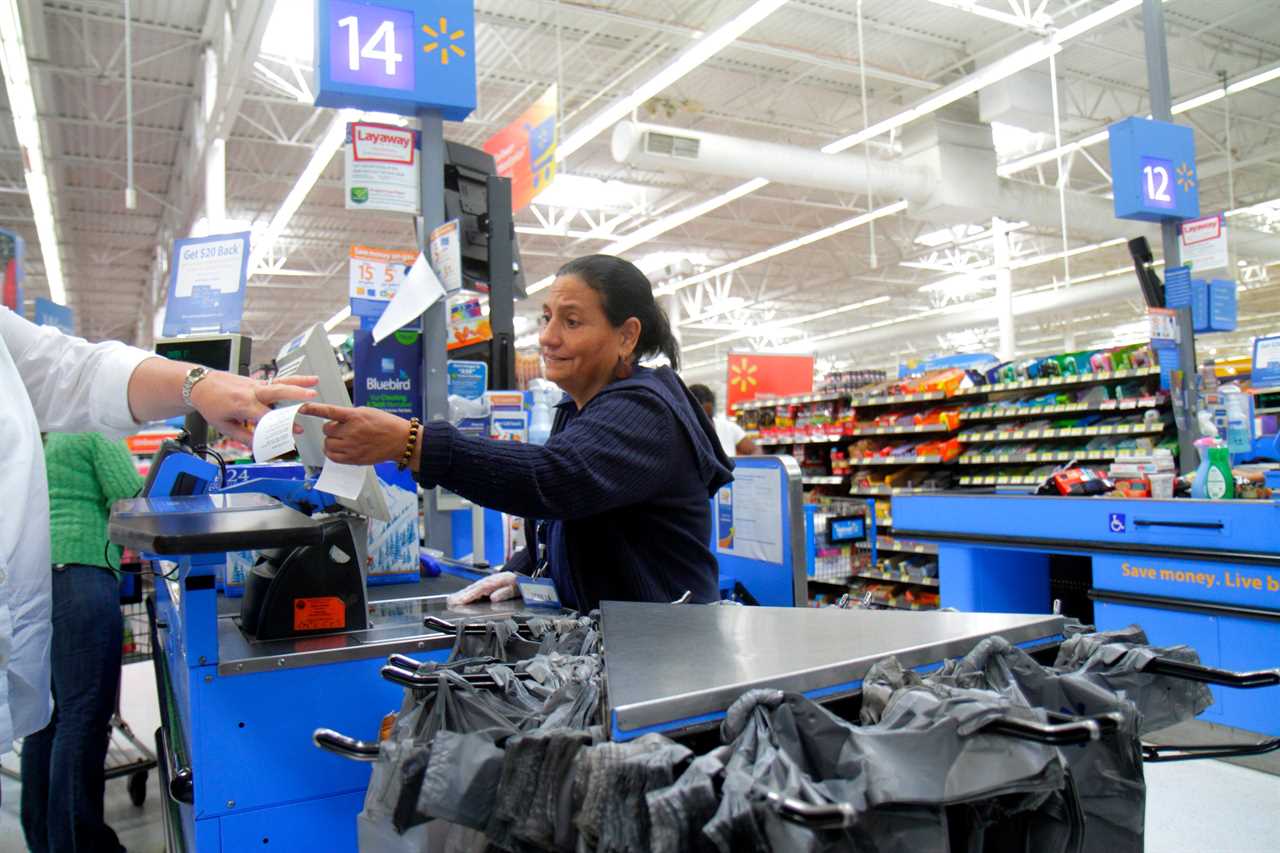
(194, 375)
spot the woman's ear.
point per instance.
(630, 337)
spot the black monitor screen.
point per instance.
(214, 354)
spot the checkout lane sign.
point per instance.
(397, 56)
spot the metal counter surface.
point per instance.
(396, 611)
(671, 666)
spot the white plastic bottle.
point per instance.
(544, 394)
(1236, 402)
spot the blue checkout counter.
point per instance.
(235, 751)
(1204, 573)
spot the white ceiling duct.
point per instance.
(948, 177)
(658, 148)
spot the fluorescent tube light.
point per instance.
(665, 224)
(26, 123)
(696, 54)
(1212, 96)
(333, 139)
(1198, 101)
(1254, 80)
(790, 245)
(764, 328)
(336, 320)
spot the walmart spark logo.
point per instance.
(742, 375)
(1186, 177)
(441, 34)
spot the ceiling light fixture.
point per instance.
(1019, 60)
(1020, 21)
(945, 96)
(665, 224)
(334, 137)
(788, 246)
(697, 53)
(26, 123)
(1216, 94)
(777, 325)
(344, 313)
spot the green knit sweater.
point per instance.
(87, 473)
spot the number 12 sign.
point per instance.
(396, 56)
(1153, 170)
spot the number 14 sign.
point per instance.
(396, 56)
(1153, 170)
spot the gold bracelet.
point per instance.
(415, 430)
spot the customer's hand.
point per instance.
(233, 404)
(362, 436)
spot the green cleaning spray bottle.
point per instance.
(1213, 478)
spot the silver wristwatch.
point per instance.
(194, 375)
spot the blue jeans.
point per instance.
(63, 763)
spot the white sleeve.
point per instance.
(736, 430)
(74, 386)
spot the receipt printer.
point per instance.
(309, 589)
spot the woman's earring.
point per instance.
(623, 370)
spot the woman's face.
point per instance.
(580, 347)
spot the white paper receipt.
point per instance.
(273, 436)
(340, 480)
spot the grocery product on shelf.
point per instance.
(1010, 426)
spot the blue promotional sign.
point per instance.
(388, 376)
(467, 379)
(849, 529)
(1153, 170)
(206, 284)
(396, 56)
(1266, 362)
(50, 313)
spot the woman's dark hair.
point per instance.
(626, 292)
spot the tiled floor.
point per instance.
(1192, 807)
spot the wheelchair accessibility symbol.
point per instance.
(1116, 522)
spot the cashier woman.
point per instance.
(620, 490)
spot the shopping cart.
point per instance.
(1003, 748)
(127, 757)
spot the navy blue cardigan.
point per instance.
(623, 483)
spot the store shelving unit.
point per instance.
(981, 419)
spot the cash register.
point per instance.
(309, 577)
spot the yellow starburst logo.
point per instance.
(742, 375)
(1186, 177)
(443, 33)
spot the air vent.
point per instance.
(667, 145)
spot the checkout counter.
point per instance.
(237, 762)
(1204, 573)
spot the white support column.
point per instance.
(1004, 289)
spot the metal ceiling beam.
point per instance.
(236, 37)
(110, 13)
(760, 48)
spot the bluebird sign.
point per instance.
(397, 56)
(1153, 170)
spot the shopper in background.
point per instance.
(63, 764)
(621, 488)
(733, 438)
(53, 382)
